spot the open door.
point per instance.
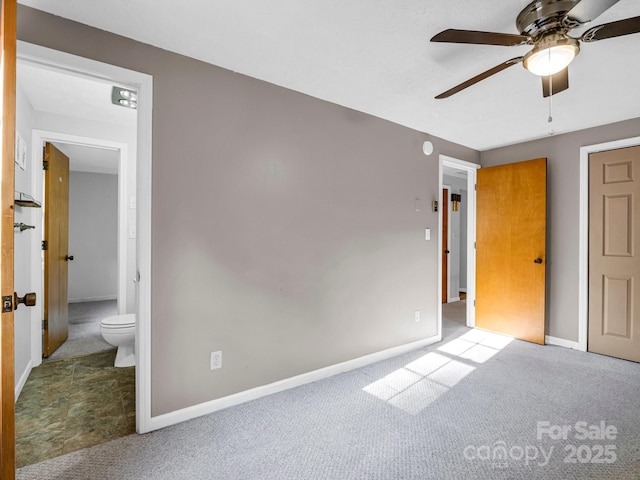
(510, 249)
(7, 383)
(56, 250)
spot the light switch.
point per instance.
(132, 202)
(427, 234)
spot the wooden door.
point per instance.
(510, 249)
(56, 236)
(614, 256)
(7, 382)
(445, 245)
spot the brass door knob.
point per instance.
(29, 299)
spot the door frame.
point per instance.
(143, 83)
(583, 227)
(471, 169)
(38, 139)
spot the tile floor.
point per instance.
(71, 404)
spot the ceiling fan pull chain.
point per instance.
(550, 90)
(550, 119)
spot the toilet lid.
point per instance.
(119, 320)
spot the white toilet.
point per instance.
(120, 331)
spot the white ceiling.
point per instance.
(52, 91)
(375, 56)
(90, 159)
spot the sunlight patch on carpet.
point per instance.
(421, 382)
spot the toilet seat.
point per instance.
(119, 321)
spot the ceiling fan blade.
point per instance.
(613, 29)
(588, 10)
(559, 83)
(477, 78)
(480, 38)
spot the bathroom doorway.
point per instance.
(137, 275)
(97, 399)
(102, 181)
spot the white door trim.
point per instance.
(583, 227)
(143, 83)
(471, 169)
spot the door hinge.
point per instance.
(45, 164)
(45, 324)
(45, 245)
(7, 304)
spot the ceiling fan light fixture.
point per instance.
(550, 57)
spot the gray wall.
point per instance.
(284, 228)
(93, 236)
(563, 153)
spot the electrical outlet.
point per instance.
(216, 360)
(416, 315)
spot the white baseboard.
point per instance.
(92, 299)
(172, 418)
(453, 299)
(463, 289)
(561, 342)
(23, 379)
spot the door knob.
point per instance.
(446, 251)
(537, 260)
(67, 258)
(29, 299)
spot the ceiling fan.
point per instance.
(544, 24)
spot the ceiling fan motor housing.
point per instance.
(545, 16)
